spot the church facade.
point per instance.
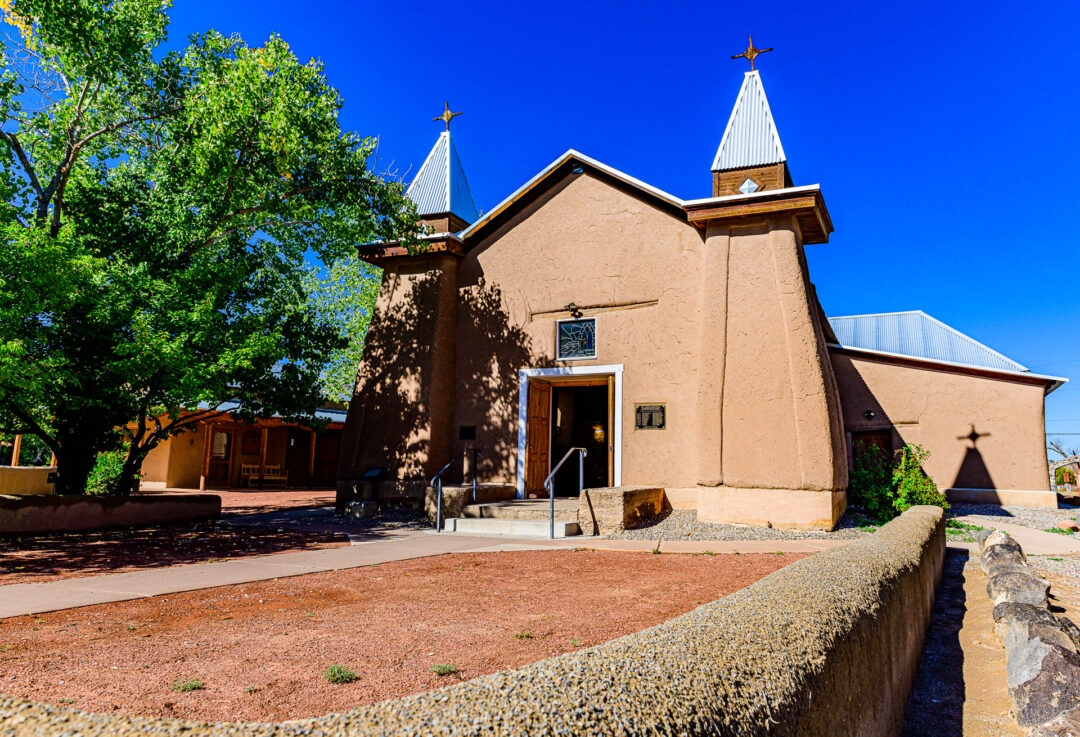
(681, 342)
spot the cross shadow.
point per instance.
(973, 473)
(935, 707)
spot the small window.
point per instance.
(575, 339)
(467, 432)
(219, 444)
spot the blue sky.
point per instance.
(944, 135)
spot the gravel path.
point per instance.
(1038, 518)
(682, 524)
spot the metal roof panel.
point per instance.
(440, 186)
(918, 335)
(751, 138)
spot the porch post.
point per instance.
(208, 429)
(311, 462)
(16, 446)
(262, 456)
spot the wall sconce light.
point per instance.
(574, 310)
(576, 170)
(868, 414)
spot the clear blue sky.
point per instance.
(944, 135)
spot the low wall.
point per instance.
(1014, 497)
(25, 479)
(27, 515)
(608, 510)
(825, 646)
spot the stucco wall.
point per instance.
(940, 410)
(586, 242)
(827, 646)
(22, 515)
(25, 479)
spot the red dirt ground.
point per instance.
(260, 648)
(76, 554)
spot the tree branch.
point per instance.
(13, 141)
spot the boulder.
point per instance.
(1003, 539)
(1066, 724)
(1044, 681)
(1009, 566)
(997, 555)
(1068, 525)
(1006, 613)
(980, 537)
(1018, 587)
(1018, 632)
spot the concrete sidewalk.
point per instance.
(1034, 542)
(33, 598)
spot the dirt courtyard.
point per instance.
(258, 651)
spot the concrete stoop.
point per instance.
(510, 527)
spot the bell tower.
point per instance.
(750, 157)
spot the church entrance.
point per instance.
(565, 414)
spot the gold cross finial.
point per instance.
(751, 53)
(447, 116)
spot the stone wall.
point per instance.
(26, 515)
(613, 509)
(455, 498)
(825, 646)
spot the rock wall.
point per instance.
(825, 646)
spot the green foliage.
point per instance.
(443, 669)
(1063, 476)
(105, 476)
(523, 635)
(192, 684)
(339, 674)
(886, 487)
(870, 483)
(163, 217)
(952, 524)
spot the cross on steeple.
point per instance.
(447, 116)
(751, 53)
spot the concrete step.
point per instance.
(510, 527)
(524, 509)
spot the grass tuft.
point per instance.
(444, 669)
(192, 684)
(523, 635)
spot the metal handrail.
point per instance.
(549, 484)
(436, 481)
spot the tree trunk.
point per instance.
(74, 462)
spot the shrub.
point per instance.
(192, 684)
(886, 487)
(104, 479)
(339, 674)
(442, 669)
(870, 484)
(911, 485)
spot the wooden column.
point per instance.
(16, 447)
(209, 430)
(311, 462)
(262, 456)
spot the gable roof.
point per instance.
(918, 335)
(554, 171)
(751, 138)
(440, 185)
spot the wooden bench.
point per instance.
(274, 475)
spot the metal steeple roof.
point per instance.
(750, 138)
(440, 185)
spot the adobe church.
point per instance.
(680, 341)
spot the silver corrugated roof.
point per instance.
(918, 335)
(440, 185)
(750, 138)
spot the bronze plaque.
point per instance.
(650, 416)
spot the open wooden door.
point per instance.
(538, 437)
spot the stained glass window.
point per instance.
(576, 339)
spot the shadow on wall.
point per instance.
(393, 397)
(388, 393)
(491, 351)
(973, 473)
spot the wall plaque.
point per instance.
(650, 416)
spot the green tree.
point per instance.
(162, 212)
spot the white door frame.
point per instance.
(524, 375)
